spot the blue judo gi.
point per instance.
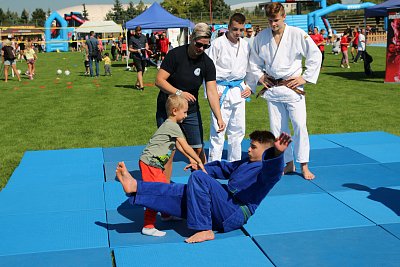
(209, 205)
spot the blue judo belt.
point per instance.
(229, 85)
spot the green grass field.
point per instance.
(58, 112)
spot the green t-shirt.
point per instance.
(162, 143)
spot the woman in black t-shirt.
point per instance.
(8, 59)
(182, 73)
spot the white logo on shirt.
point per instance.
(197, 72)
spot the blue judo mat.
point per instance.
(54, 207)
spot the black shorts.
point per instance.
(140, 64)
(355, 46)
(86, 63)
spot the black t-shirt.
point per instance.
(138, 42)
(8, 53)
(186, 74)
(22, 46)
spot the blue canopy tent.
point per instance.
(156, 17)
(380, 10)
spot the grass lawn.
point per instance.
(58, 111)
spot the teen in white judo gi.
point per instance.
(276, 62)
(230, 54)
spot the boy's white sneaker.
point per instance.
(153, 232)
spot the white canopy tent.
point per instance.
(106, 26)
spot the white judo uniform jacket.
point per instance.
(283, 61)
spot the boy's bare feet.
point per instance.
(201, 237)
(289, 168)
(129, 184)
(307, 174)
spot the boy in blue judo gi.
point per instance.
(207, 204)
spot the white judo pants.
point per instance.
(279, 115)
(234, 117)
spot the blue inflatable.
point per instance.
(56, 38)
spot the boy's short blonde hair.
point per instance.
(175, 101)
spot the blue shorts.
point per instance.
(9, 62)
(192, 127)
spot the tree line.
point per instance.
(192, 9)
(118, 13)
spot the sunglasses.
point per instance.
(200, 45)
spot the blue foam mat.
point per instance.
(43, 232)
(337, 156)
(319, 142)
(361, 138)
(55, 175)
(111, 166)
(381, 205)
(123, 153)
(332, 178)
(361, 246)
(62, 157)
(297, 213)
(235, 251)
(114, 195)
(88, 196)
(294, 184)
(383, 153)
(98, 257)
(296, 206)
(394, 166)
(393, 228)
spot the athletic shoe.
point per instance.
(153, 232)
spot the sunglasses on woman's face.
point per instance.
(200, 45)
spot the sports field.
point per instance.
(58, 111)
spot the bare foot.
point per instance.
(289, 168)
(129, 184)
(201, 237)
(307, 174)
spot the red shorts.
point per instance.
(152, 174)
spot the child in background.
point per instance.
(158, 151)
(107, 64)
(86, 58)
(31, 57)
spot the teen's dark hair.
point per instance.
(262, 137)
(238, 17)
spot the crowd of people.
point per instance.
(18, 49)
(351, 38)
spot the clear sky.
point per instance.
(31, 5)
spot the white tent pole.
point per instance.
(127, 48)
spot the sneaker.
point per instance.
(341, 65)
(153, 232)
(348, 66)
(30, 77)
